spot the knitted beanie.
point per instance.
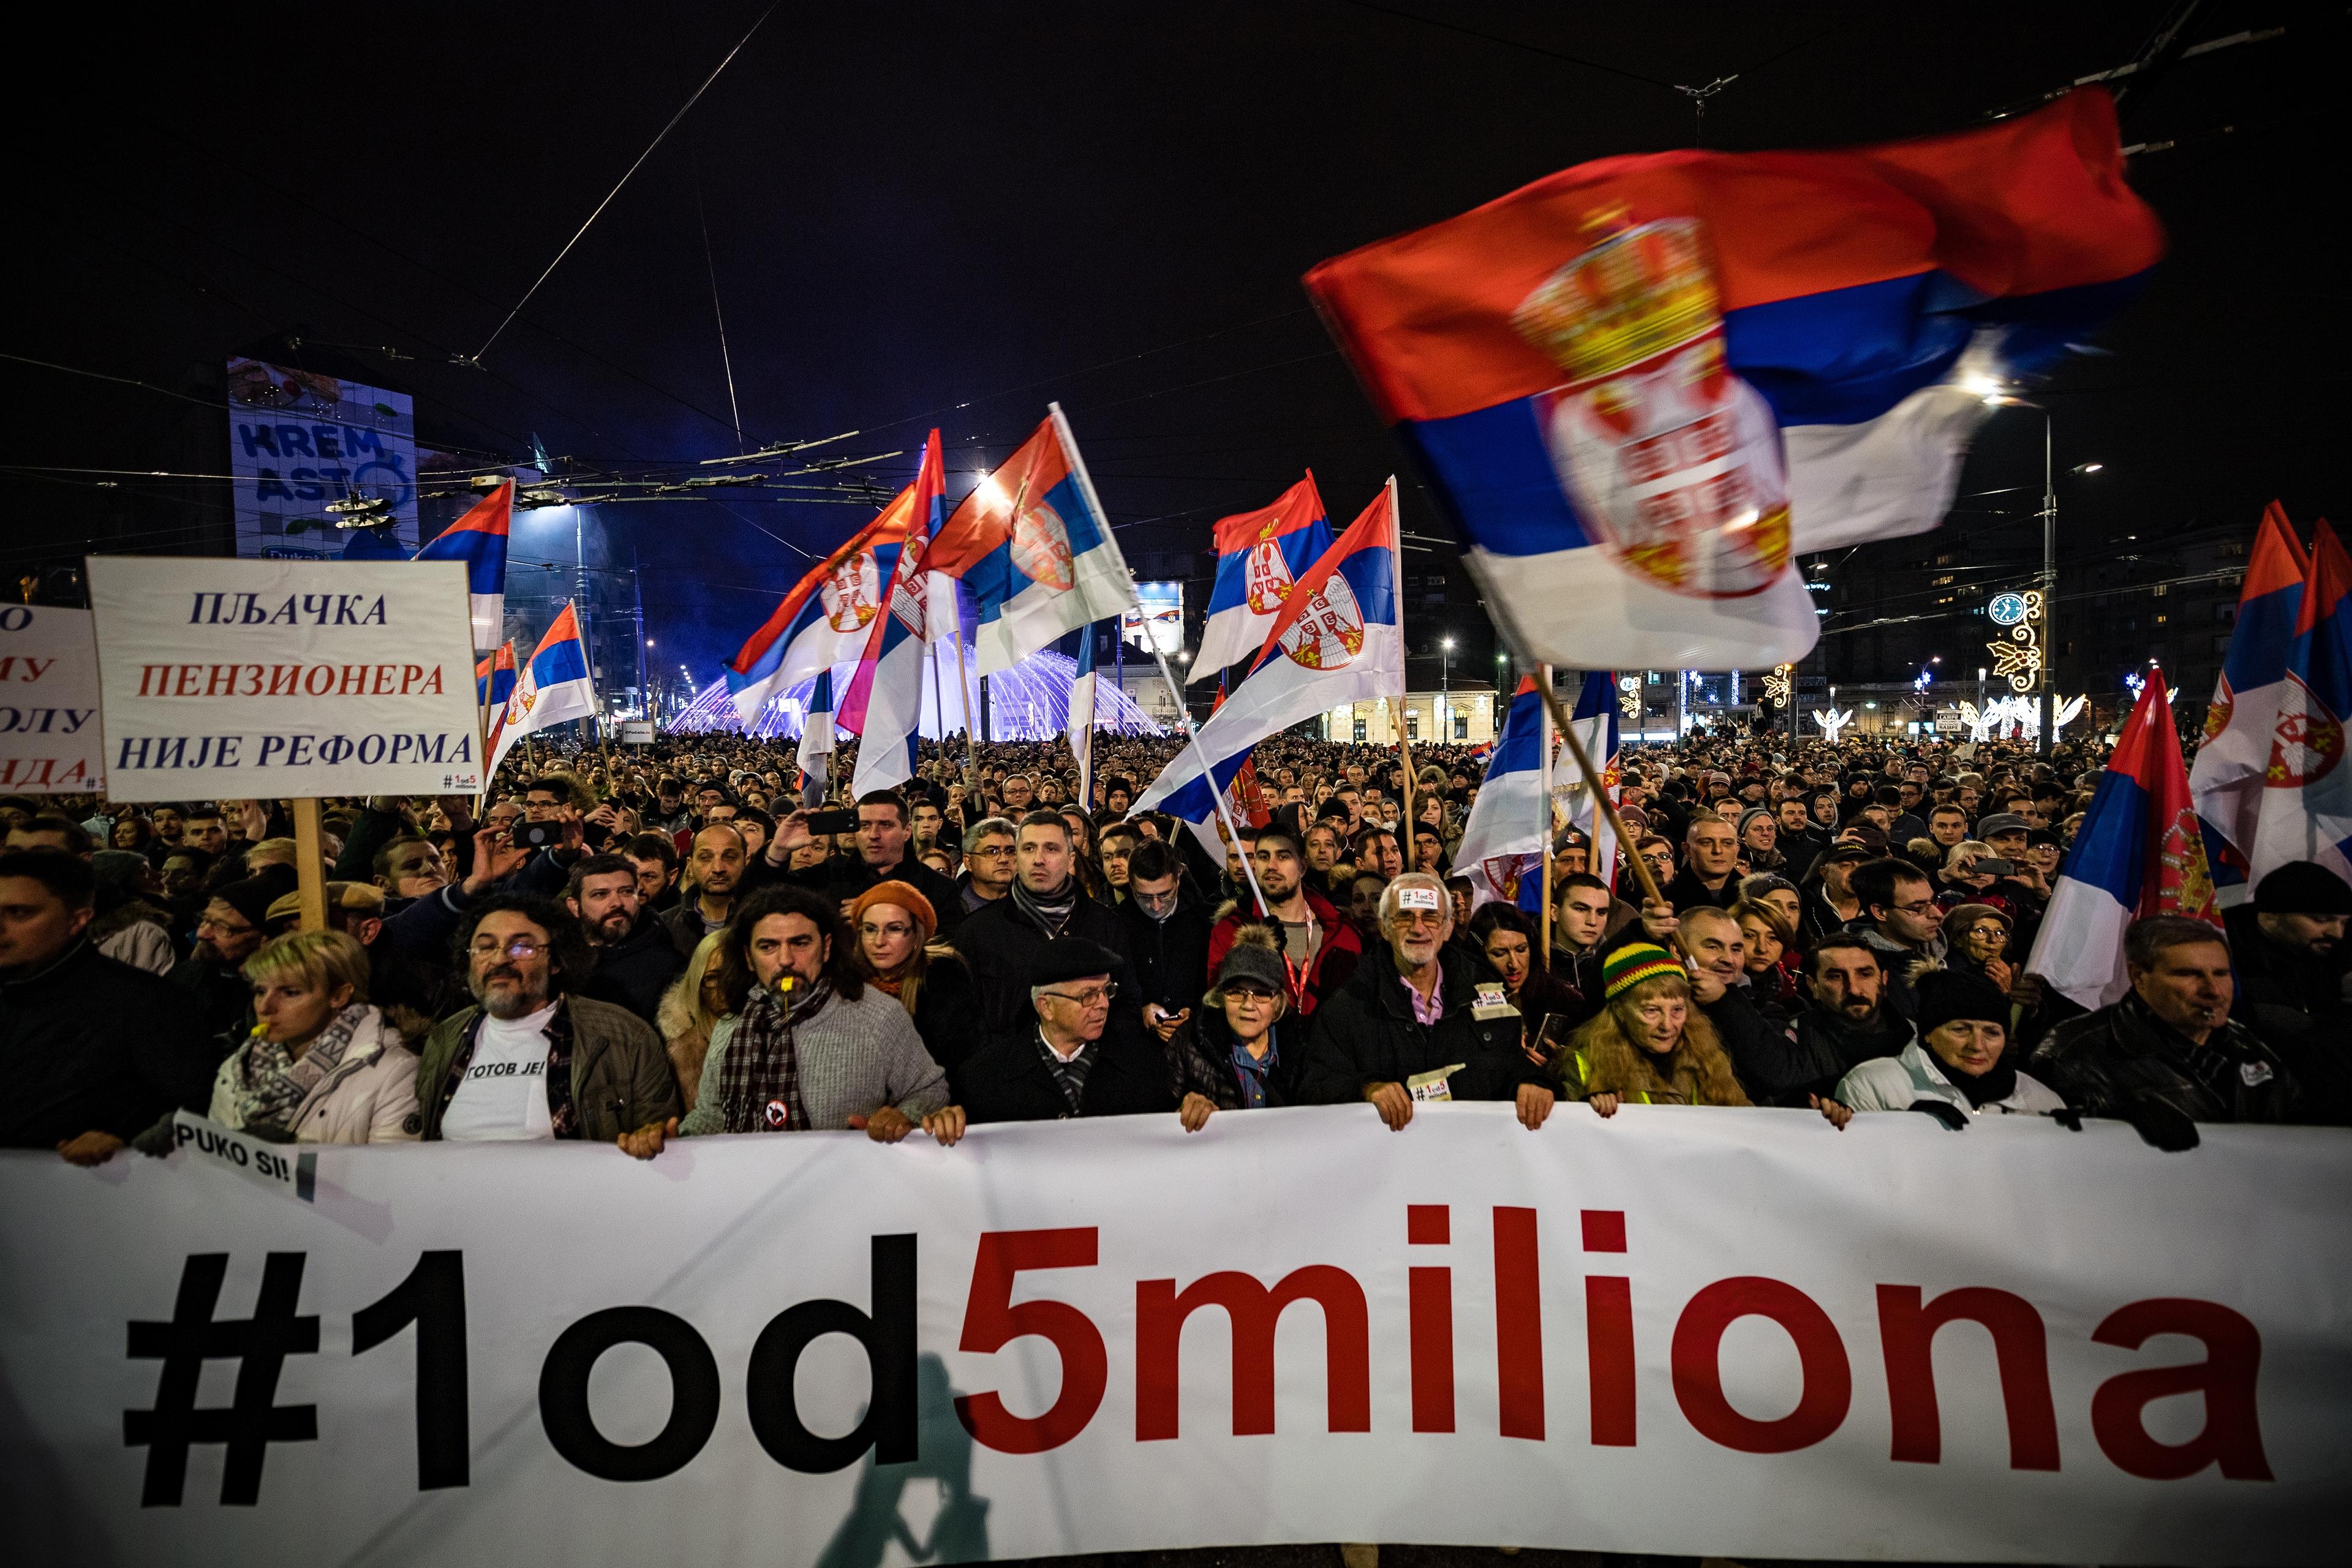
(902, 895)
(1634, 963)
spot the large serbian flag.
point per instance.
(884, 706)
(1340, 638)
(1641, 385)
(826, 617)
(1031, 544)
(2137, 853)
(1259, 555)
(479, 540)
(2306, 812)
(2235, 758)
(553, 687)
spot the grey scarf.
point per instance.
(1051, 910)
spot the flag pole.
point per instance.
(1183, 714)
(963, 698)
(1498, 611)
(1545, 919)
(1396, 521)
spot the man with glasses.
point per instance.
(988, 854)
(229, 931)
(531, 1061)
(1063, 1059)
(1404, 1029)
(1901, 921)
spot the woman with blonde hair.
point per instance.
(895, 925)
(688, 1011)
(1648, 1044)
(321, 1066)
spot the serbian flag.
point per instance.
(884, 705)
(2234, 757)
(479, 540)
(1259, 555)
(1595, 718)
(1509, 830)
(553, 688)
(494, 677)
(494, 684)
(1340, 636)
(1642, 386)
(1033, 546)
(2139, 853)
(817, 739)
(2307, 811)
(825, 619)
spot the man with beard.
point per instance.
(1318, 949)
(1044, 904)
(231, 930)
(1404, 1027)
(2288, 950)
(1846, 1021)
(714, 872)
(531, 1061)
(635, 960)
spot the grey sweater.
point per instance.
(854, 1057)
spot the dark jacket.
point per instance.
(1009, 1080)
(684, 924)
(2295, 1004)
(947, 1016)
(1369, 1033)
(1171, 956)
(1759, 1048)
(634, 972)
(88, 1044)
(621, 1076)
(1818, 1048)
(223, 998)
(1000, 942)
(1687, 892)
(2104, 1062)
(1201, 1062)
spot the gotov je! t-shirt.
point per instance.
(504, 1097)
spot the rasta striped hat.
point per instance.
(1634, 963)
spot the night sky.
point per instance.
(923, 215)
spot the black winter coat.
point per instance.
(2296, 1004)
(1171, 956)
(1201, 1062)
(1818, 1048)
(844, 876)
(1009, 1080)
(2104, 1062)
(635, 971)
(88, 1044)
(947, 1016)
(1368, 1034)
(1000, 942)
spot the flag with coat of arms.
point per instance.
(1260, 555)
(2306, 809)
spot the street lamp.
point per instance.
(1446, 689)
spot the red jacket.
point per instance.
(1326, 973)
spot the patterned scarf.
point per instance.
(1070, 1075)
(272, 1083)
(562, 1117)
(1051, 911)
(760, 1076)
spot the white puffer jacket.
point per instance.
(369, 1098)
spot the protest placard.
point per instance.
(223, 677)
(48, 701)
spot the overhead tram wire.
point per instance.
(683, 110)
(711, 266)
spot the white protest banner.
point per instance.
(284, 1168)
(238, 679)
(1734, 1333)
(49, 702)
(636, 733)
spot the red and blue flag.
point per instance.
(2227, 779)
(2307, 810)
(1260, 556)
(479, 540)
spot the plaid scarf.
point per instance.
(272, 1083)
(1070, 1075)
(760, 1076)
(562, 1120)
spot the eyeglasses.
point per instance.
(1093, 996)
(1920, 908)
(994, 852)
(514, 947)
(1240, 992)
(207, 923)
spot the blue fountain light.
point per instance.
(1029, 701)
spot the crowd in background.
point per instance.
(636, 944)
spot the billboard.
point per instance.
(1160, 614)
(309, 452)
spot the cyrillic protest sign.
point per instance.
(236, 679)
(1700, 1332)
(49, 702)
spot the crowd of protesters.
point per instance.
(637, 945)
